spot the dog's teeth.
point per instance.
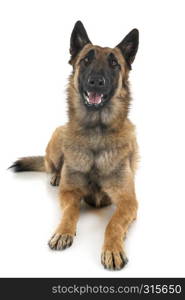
(87, 99)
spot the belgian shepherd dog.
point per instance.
(94, 156)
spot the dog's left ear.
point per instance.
(129, 46)
(79, 39)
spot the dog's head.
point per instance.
(100, 73)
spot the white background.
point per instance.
(34, 43)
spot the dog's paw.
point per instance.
(55, 180)
(60, 241)
(113, 260)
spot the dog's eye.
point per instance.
(114, 62)
(86, 60)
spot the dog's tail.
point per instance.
(31, 163)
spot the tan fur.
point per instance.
(113, 154)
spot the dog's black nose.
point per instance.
(96, 81)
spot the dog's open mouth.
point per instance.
(94, 99)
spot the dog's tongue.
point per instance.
(94, 98)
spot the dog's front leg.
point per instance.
(113, 256)
(63, 237)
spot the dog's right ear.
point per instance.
(79, 39)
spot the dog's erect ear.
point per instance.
(129, 46)
(79, 39)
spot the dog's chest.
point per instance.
(97, 155)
